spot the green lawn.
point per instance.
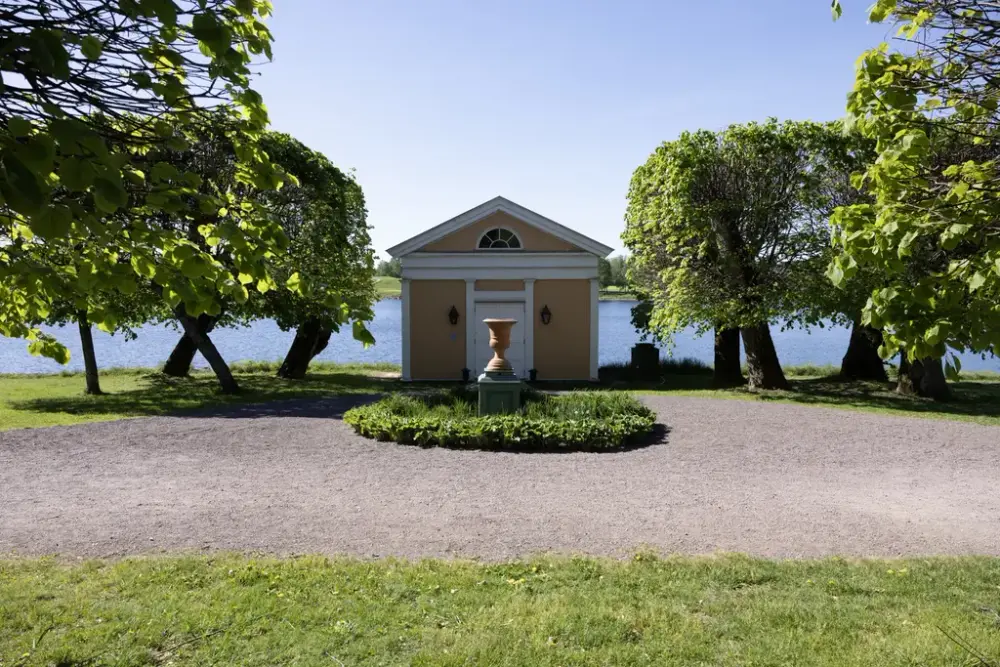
(48, 400)
(976, 398)
(615, 293)
(387, 286)
(727, 610)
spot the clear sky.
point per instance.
(441, 105)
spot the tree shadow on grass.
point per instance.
(331, 407)
(198, 395)
(969, 399)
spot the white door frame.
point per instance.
(470, 348)
(525, 296)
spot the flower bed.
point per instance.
(588, 420)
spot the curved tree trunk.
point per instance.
(727, 358)
(763, 368)
(933, 383)
(208, 350)
(904, 379)
(89, 357)
(180, 359)
(310, 339)
(862, 361)
(923, 377)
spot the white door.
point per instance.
(515, 353)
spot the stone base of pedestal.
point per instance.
(499, 393)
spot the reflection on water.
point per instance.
(264, 341)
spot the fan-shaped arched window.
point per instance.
(499, 238)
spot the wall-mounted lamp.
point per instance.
(453, 315)
(546, 314)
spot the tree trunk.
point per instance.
(89, 358)
(904, 379)
(208, 350)
(862, 362)
(763, 368)
(310, 339)
(727, 358)
(180, 359)
(933, 383)
(923, 377)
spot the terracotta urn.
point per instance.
(499, 342)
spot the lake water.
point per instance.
(264, 341)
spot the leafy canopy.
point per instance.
(730, 229)
(91, 89)
(933, 228)
(329, 255)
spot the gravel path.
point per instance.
(769, 479)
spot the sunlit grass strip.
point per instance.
(546, 611)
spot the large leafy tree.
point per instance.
(329, 252)
(933, 228)
(92, 89)
(729, 230)
(325, 277)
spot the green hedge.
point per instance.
(579, 421)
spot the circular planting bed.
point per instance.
(582, 420)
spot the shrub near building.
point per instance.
(577, 420)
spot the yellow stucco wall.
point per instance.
(467, 238)
(562, 347)
(437, 348)
(499, 285)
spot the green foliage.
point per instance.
(612, 272)
(577, 420)
(931, 230)
(328, 271)
(391, 268)
(79, 200)
(603, 272)
(730, 228)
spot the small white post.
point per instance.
(470, 327)
(594, 327)
(529, 326)
(405, 295)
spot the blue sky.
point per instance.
(441, 105)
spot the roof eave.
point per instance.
(488, 208)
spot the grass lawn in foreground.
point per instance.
(49, 400)
(727, 610)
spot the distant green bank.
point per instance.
(389, 288)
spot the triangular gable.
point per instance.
(462, 232)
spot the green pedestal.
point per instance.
(499, 393)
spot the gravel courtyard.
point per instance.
(769, 479)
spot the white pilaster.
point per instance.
(405, 296)
(594, 327)
(529, 325)
(470, 327)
